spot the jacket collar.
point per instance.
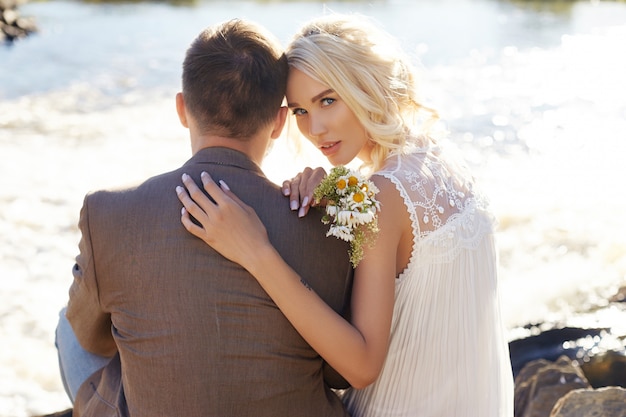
(226, 157)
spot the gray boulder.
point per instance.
(601, 402)
(541, 383)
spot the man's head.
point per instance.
(234, 79)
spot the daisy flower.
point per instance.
(351, 208)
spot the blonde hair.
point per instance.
(368, 70)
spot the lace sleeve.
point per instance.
(434, 190)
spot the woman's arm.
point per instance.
(357, 350)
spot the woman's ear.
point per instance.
(181, 110)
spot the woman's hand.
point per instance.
(300, 188)
(228, 225)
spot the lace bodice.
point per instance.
(441, 199)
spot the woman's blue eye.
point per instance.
(298, 111)
(327, 101)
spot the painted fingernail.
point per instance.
(179, 189)
(185, 177)
(224, 185)
(205, 177)
(301, 212)
(182, 211)
(293, 204)
(286, 191)
(305, 201)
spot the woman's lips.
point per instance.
(329, 148)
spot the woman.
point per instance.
(425, 336)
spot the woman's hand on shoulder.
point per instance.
(226, 223)
(300, 189)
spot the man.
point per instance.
(168, 327)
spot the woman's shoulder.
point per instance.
(399, 163)
(427, 162)
(392, 193)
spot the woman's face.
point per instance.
(325, 120)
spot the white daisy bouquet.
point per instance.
(351, 208)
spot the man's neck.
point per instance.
(254, 148)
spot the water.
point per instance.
(531, 92)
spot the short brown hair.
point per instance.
(234, 79)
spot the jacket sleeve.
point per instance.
(91, 324)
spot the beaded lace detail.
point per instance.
(446, 211)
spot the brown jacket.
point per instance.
(193, 334)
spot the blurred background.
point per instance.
(531, 92)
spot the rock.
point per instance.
(9, 16)
(605, 369)
(12, 26)
(541, 383)
(603, 402)
(619, 297)
(7, 4)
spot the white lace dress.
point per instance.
(448, 354)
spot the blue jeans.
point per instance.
(76, 364)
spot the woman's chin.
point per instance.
(337, 159)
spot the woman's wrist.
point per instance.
(260, 260)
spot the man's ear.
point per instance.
(180, 109)
(279, 122)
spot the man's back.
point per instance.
(197, 336)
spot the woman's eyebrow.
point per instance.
(322, 94)
(314, 99)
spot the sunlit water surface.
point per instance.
(533, 97)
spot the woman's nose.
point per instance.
(316, 126)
